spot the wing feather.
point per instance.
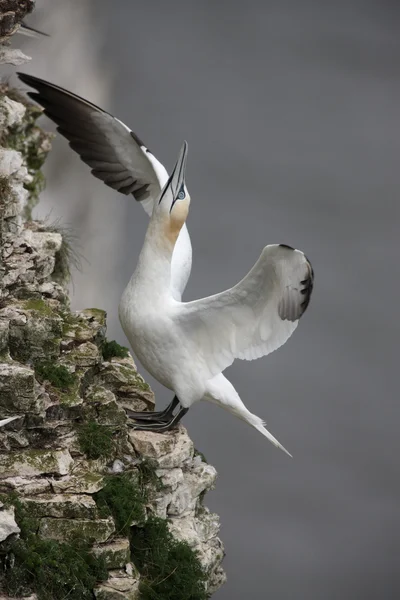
(115, 154)
(103, 142)
(253, 318)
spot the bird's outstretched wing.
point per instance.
(253, 318)
(115, 153)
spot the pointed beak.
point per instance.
(178, 174)
(176, 180)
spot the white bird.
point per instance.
(187, 345)
(115, 154)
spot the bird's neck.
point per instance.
(154, 264)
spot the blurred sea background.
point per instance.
(291, 111)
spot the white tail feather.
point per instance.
(260, 425)
(220, 391)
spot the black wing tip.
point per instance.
(286, 246)
(138, 140)
(310, 266)
(296, 311)
(308, 287)
(29, 79)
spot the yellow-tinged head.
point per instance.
(173, 206)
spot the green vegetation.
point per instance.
(53, 570)
(57, 375)
(69, 254)
(147, 474)
(124, 496)
(5, 187)
(39, 305)
(110, 349)
(170, 569)
(96, 440)
(124, 499)
(34, 187)
(141, 384)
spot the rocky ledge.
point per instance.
(88, 506)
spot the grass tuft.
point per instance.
(57, 375)
(51, 569)
(96, 440)
(112, 348)
(170, 569)
(69, 254)
(124, 499)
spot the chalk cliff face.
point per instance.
(88, 507)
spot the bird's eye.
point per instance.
(181, 194)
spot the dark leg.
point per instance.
(161, 427)
(162, 415)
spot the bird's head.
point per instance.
(173, 206)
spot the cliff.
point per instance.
(89, 508)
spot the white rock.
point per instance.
(86, 478)
(12, 56)
(211, 554)
(169, 450)
(27, 463)
(16, 316)
(195, 530)
(12, 164)
(61, 505)
(216, 578)
(46, 243)
(11, 112)
(118, 586)
(118, 466)
(24, 485)
(160, 503)
(195, 481)
(7, 523)
(170, 478)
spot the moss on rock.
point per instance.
(57, 375)
(95, 440)
(53, 570)
(169, 569)
(116, 554)
(90, 531)
(124, 498)
(110, 349)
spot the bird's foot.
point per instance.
(160, 426)
(154, 418)
(148, 417)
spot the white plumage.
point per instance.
(185, 346)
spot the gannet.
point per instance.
(115, 154)
(186, 346)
